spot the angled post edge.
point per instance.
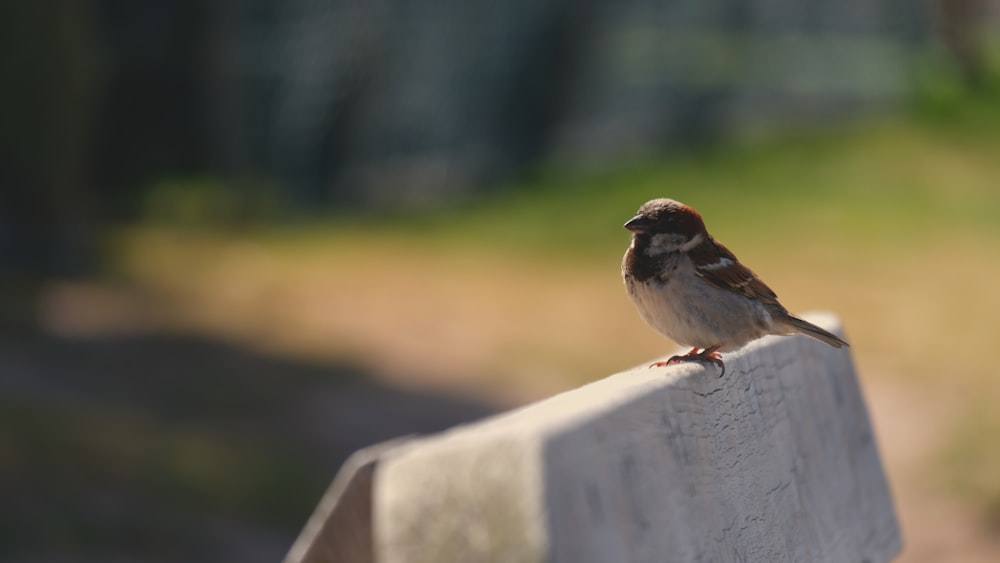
(340, 529)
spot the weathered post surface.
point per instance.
(775, 461)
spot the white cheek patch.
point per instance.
(687, 246)
(671, 242)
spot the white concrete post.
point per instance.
(776, 461)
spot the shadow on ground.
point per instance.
(168, 448)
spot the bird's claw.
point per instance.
(707, 355)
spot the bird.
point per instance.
(689, 287)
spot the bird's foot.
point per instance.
(692, 355)
(707, 355)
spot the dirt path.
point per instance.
(936, 528)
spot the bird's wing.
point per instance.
(715, 264)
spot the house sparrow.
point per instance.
(692, 289)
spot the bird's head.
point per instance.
(669, 224)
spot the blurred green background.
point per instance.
(239, 240)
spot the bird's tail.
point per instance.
(796, 324)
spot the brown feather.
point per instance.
(733, 276)
(809, 329)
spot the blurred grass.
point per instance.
(894, 223)
(882, 181)
(185, 465)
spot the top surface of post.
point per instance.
(775, 461)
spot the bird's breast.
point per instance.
(691, 312)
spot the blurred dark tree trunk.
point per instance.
(961, 31)
(49, 73)
(152, 117)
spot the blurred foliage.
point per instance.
(940, 94)
(890, 176)
(209, 203)
(918, 173)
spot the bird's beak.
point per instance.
(638, 224)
